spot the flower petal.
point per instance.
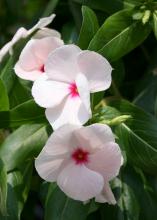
(23, 33)
(80, 183)
(97, 70)
(96, 135)
(47, 168)
(83, 89)
(46, 32)
(54, 154)
(43, 22)
(34, 55)
(71, 110)
(61, 64)
(49, 93)
(106, 161)
(106, 195)
(27, 75)
(43, 47)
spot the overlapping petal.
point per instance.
(62, 64)
(48, 93)
(23, 33)
(34, 55)
(106, 161)
(71, 110)
(97, 70)
(106, 195)
(79, 182)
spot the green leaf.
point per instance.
(26, 113)
(127, 207)
(127, 202)
(155, 23)
(50, 7)
(23, 144)
(146, 196)
(105, 113)
(4, 101)
(18, 188)
(69, 33)
(18, 94)
(3, 188)
(60, 207)
(137, 136)
(89, 27)
(119, 35)
(110, 6)
(7, 75)
(147, 96)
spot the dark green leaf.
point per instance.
(7, 75)
(155, 23)
(139, 144)
(147, 97)
(26, 113)
(3, 189)
(50, 7)
(23, 144)
(69, 33)
(60, 207)
(145, 195)
(4, 101)
(89, 27)
(110, 6)
(18, 188)
(18, 94)
(119, 35)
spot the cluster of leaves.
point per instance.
(124, 32)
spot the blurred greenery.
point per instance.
(128, 41)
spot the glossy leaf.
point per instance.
(89, 27)
(119, 35)
(18, 188)
(110, 6)
(4, 101)
(23, 144)
(3, 188)
(139, 144)
(60, 207)
(155, 23)
(26, 113)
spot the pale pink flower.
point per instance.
(82, 160)
(34, 55)
(23, 33)
(71, 75)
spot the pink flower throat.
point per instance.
(73, 90)
(42, 68)
(80, 156)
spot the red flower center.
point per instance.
(42, 68)
(80, 156)
(73, 90)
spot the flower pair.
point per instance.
(81, 159)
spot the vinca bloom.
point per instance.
(34, 55)
(71, 75)
(82, 160)
(23, 33)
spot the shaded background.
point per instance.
(137, 67)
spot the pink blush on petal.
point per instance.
(80, 156)
(73, 90)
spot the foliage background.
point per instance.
(24, 128)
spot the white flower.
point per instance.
(23, 33)
(71, 75)
(35, 53)
(82, 160)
